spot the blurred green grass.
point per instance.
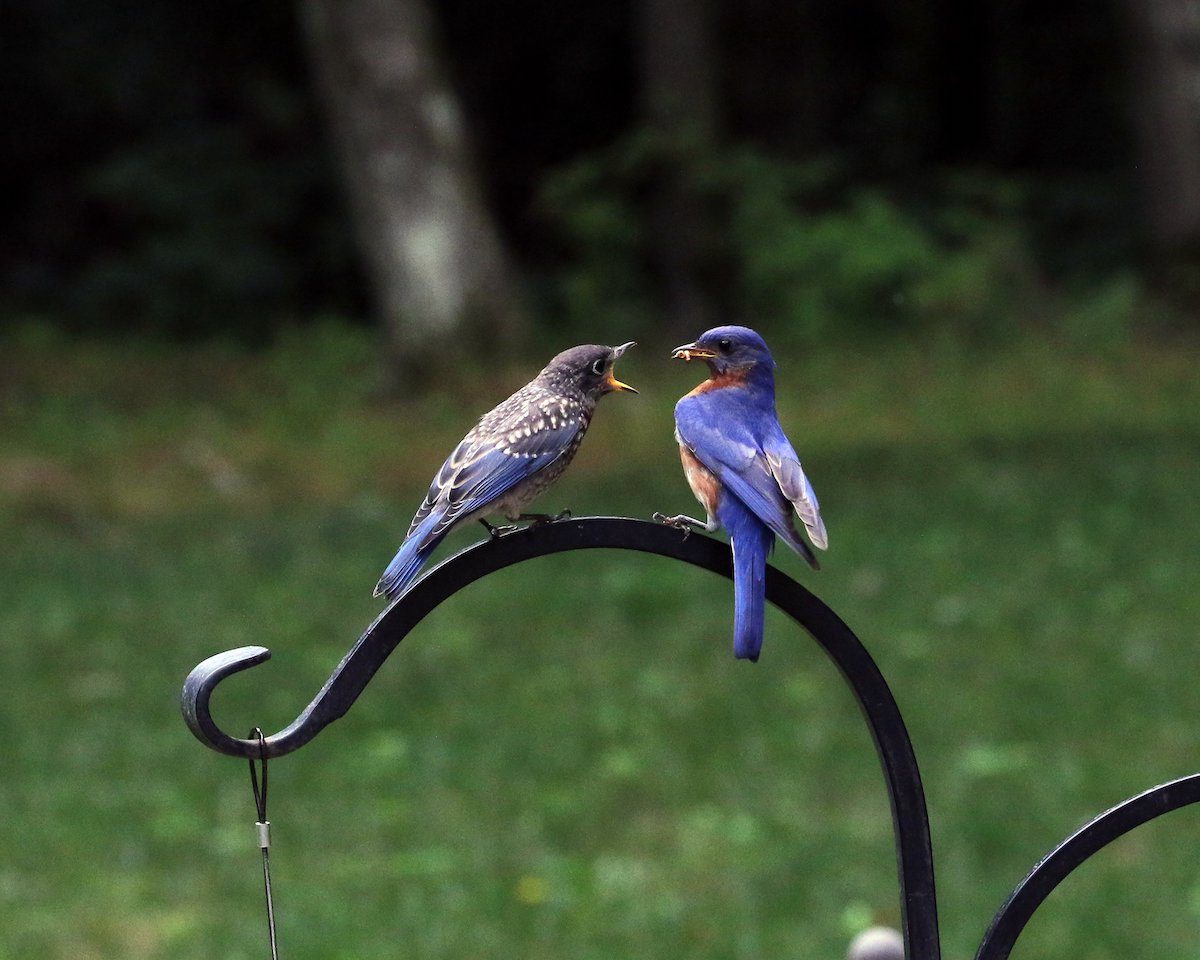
(566, 760)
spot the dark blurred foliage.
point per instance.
(169, 169)
(172, 171)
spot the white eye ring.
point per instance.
(598, 367)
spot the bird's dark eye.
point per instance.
(724, 344)
(598, 367)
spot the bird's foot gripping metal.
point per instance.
(498, 531)
(537, 519)
(681, 522)
(533, 519)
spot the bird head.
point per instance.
(588, 369)
(728, 350)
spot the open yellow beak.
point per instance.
(613, 382)
(691, 351)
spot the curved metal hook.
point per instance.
(909, 815)
(1019, 908)
(197, 691)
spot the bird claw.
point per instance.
(679, 522)
(495, 532)
(541, 519)
(534, 520)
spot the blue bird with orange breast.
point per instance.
(742, 469)
(510, 457)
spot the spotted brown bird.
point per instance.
(510, 457)
(743, 470)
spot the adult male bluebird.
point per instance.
(742, 469)
(511, 456)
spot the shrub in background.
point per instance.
(812, 253)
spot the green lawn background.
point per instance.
(566, 760)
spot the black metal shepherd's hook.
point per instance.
(373, 647)
(918, 903)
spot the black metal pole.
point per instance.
(1054, 868)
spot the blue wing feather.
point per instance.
(485, 466)
(484, 469)
(725, 430)
(488, 477)
(794, 484)
(409, 560)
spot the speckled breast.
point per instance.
(538, 483)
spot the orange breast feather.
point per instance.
(720, 381)
(703, 482)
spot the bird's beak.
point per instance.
(692, 351)
(613, 382)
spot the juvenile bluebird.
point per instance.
(742, 469)
(511, 456)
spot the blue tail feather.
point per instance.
(409, 560)
(752, 541)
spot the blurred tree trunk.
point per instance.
(1166, 58)
(677, 57)
(434, 258)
